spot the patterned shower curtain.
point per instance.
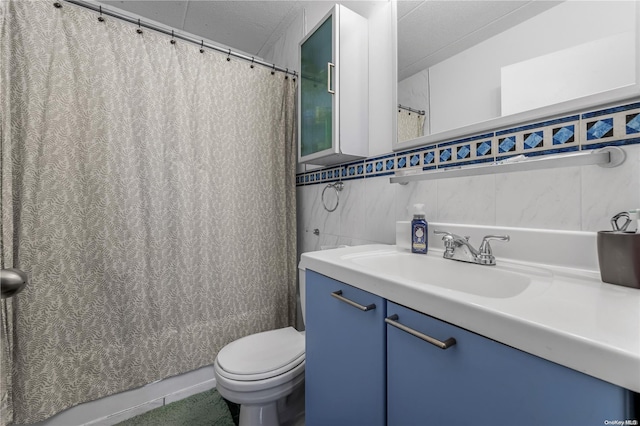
(148, 190)
(410, 125)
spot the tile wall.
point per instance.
(575, 198)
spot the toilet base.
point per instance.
(286, 411)
(259, 415)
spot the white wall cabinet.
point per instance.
(333, 114)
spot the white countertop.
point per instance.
(567, 316)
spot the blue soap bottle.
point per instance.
(419, 230)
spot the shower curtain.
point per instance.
(148, 190)
(410, 125)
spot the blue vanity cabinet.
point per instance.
(478, 381)
(345, 355)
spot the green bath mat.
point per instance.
(203, 409)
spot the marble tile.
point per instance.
(548, 199)
(352, 213)
(326, 241)
(420, 192)
(380, 211)
(309, 242)
(306, 195)
(353, 241)
(469, 200)
(300, 190)
(607, 191)
(317, 217)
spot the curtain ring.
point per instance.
(173, 41)
(229, 55)
(57, 5)
(139, 30)
(286, 74)
(202, 46)
(338, 186)
(295, 74)
(274, 69)
(100, 18)
(252, 59)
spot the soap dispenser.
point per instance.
(419, 230)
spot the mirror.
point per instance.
(473, 66)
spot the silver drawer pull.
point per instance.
(338, 295)
(393, 320)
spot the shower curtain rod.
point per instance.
(174, 34)
(412, 110)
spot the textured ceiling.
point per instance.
(251, 27)
(428, 31)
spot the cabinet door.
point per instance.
(317, 84)
(479, 381)
(345, 355)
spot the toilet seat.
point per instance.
(262, 356)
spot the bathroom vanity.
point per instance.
(395, 338)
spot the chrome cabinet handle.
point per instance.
(338, 295)
(12, 282)
(329, 89)
(393, 320)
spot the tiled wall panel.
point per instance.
(574, 198)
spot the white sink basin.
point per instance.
(480, 280)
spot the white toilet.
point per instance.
(263, 372)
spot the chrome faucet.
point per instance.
(459, 248)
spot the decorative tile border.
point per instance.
(380, 166)
(612, 126)
(594, 129)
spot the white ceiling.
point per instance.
(428, 31)
(251, 27)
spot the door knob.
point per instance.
(12, 282)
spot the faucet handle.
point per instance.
(448, 236)
(445, 233)
(448, 239)
(486, 254)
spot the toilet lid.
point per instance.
(262, 352)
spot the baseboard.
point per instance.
(116, 408)
(121, 416)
